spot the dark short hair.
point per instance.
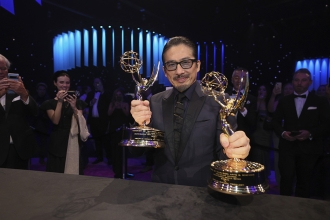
(239, 69)
(41, 84)
(175, 41)
(303, 70)
(60, 73)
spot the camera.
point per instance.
(13, 76)
(71, 93)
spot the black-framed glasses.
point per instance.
(185, 64)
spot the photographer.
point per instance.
(17, 142)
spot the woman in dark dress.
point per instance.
(60, 111)
(119, 116)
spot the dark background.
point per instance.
(266, 37)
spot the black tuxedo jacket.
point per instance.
(102, 107)
(200, 143)
(314, 117)
(247, 123)
(14, 123)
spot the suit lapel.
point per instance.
(194, 108)
(306, 105)
(168, 111)
(292, 107)
(9, 99)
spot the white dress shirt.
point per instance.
(300, 102)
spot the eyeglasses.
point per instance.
(185, 64)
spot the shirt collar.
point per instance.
(188, 92)
(305, 93)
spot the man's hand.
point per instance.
(140, 111)
(72, 101)
(286, 136)
(19, 88)
(3, 86)
(303, 135)
(236, 145)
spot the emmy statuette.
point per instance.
(232, 176)
(140, 136)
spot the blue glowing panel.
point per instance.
(104, 45)
(214, 57)
(310, 67)
(148, 54)
(317, 73)
(71, 50)
(65, 48)
(38, 1)
(77, 41)
(122, 41)
(155, 53)
(319, 68)
(56, 52)
(161, 75)
(8, 5)
(206, 58)
(113, 47)
(298, 65)
(305, 64)
(132, 40)
(86, 48)
(94, 47)
(222, 57)
(141, 47)
(324, 71)
(198, 51)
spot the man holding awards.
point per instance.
(190, 120)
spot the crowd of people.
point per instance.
(289, 122)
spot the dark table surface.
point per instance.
(37, 195)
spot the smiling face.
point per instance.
(181, 79)
(62, 83)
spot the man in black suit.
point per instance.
(306, 120)
(98, 119)
(17, 141)
(186, 160)
(246, 116)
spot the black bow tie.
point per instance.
(299, 96)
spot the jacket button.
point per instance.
(176, 168)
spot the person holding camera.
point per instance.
(305, 119)
(17, 141)
(119, 116)
(65, 112)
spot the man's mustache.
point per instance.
(181, 76)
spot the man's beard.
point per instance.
(182, 88)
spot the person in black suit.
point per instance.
(306, 121)
(187, 163)
(246, 116)
(17, 141)
(98, 119)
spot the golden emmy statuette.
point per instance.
(232, 176)
(140, 136)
